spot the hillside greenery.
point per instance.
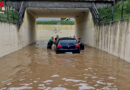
(105, 14)
(62, 22)
(9, 16)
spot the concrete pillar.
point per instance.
(85, 28)
(27, 30)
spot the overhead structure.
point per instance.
(22, 5)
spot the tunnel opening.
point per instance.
(47, 27)
(83, 28)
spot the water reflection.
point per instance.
(36, 68)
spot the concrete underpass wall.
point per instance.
(114, 38)
(44, 32)
(12, 39)
(85, 28)
(8, 38)
(27, 30)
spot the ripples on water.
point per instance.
(36, 68)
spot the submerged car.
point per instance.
(67, 45)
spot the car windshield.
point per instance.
(68, 42)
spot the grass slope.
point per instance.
(55, 22)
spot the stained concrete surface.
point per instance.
(114, 38)
(36, 68)
(14, 39)
(44, 32)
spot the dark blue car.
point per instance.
(67, 45)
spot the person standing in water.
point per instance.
(56, 39)
(81, 44)
(50, 43)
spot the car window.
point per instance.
(66, 42)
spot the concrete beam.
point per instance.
(23, 5)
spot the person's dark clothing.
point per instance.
(56, 40)
(50, 43)
(81, 45)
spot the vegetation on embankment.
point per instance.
(9, 16)
(55, 22)
(121, 10)
(8, 13)
(63, 21)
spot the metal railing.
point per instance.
(8, 17)
(122, 12)
(21, 13)
(95, 13)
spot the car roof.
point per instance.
(67, 38)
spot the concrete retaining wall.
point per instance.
(12, 39)
(8, 38)
(114, 38)
(85, 28)
(44, 32)
(27, 30)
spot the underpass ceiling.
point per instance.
(56, 12)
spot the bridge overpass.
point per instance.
(68, 4)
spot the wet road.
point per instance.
(35, 68)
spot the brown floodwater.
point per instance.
(36, 68)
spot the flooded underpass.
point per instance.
(36, 68)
